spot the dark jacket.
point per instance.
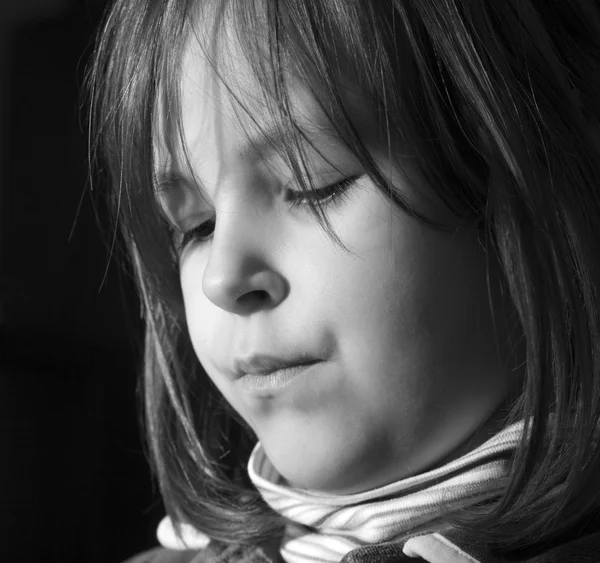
(578, 549)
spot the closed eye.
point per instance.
(201, 233)
(327, 195)
(323, 196)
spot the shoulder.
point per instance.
(164, 555)
(458, 549)
(214, 553)
(584, 548)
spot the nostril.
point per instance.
(254, 298)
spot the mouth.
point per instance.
(263, 365)
(264, 375)
(267, 384)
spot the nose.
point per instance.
(239, 277)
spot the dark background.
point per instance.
(74, 481)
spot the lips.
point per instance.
(261, 364)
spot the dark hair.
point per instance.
(498, 105)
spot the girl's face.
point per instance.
(407, 371)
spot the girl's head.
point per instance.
(397, 313)
(400, 193)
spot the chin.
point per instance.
(327, 466)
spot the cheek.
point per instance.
(413, 301)
(380, 289)
(197, 310)
(209, 336)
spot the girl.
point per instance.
(365, 239)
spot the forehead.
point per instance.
(224, 95)
(227, 106)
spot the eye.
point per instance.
(296, 198)
(201, 233)
(326, 195)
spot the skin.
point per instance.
(411, 373)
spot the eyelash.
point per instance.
(325, 196)
(296, 198)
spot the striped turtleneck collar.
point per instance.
(324, 528)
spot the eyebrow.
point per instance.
(167, 180)
(263, 144)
